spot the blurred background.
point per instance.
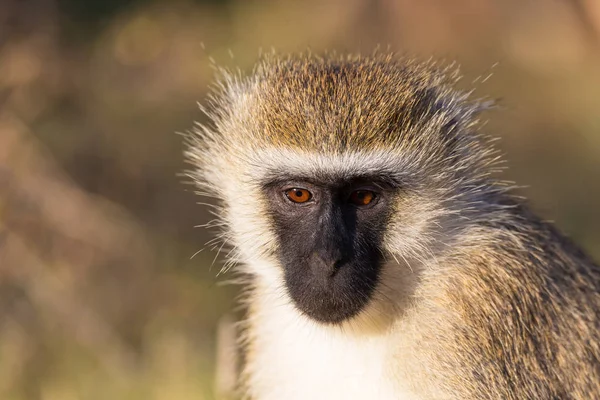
(99, 295)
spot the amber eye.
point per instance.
(298, 195)
(362, 197)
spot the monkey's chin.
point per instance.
(330, 314)
(333, 300)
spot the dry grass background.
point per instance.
(99, 298)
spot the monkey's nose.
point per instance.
(327, 263)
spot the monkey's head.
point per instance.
(329, 169)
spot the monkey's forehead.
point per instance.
(333, 104)
(288, 165)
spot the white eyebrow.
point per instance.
(347, 164)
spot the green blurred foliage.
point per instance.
(99, 295)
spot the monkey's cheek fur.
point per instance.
(331, 299)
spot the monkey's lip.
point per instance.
(332, 300)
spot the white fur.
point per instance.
(381, 354)
(293, 357)
(302, 163)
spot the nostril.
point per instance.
(327, 265)
(335, 267)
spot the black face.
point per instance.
(329, 239)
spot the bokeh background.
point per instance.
(99, 295)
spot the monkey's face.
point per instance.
(327, 166)
(330, 235)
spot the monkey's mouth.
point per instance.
(332, 298)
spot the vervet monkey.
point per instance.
(384, 257)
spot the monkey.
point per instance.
(381, 253)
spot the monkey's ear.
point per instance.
(461, 132)
(448, 109)
(456, 117)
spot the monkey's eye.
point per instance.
(298, 195)
(362, 197)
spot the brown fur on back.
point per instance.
(529, 305)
